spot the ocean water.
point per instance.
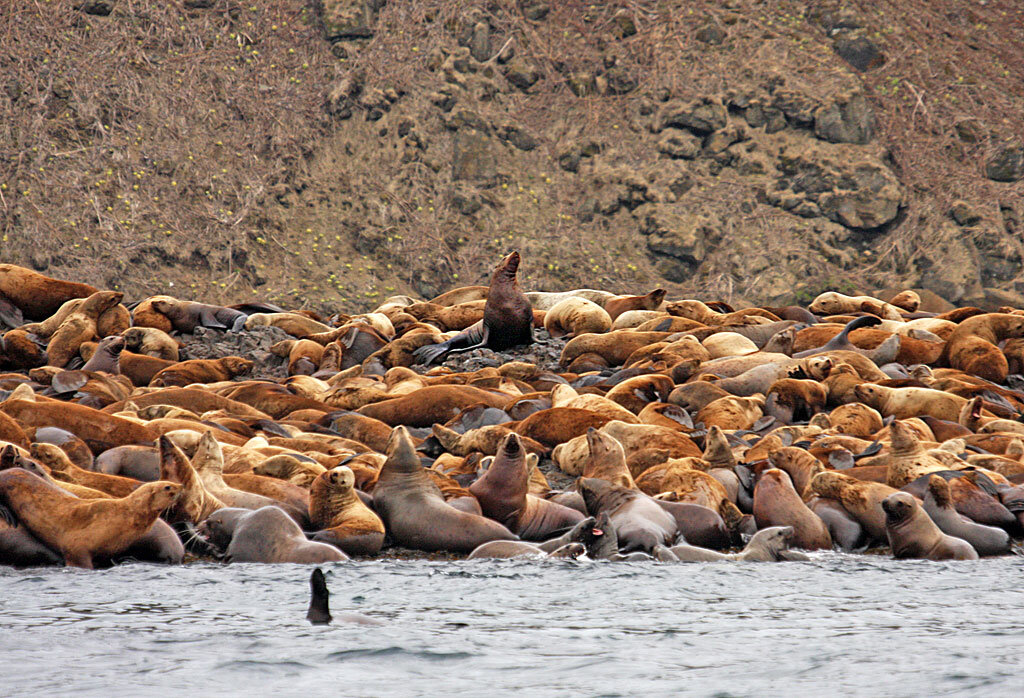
(839, 624)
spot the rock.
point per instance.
(963, 214)
(199, 4)
(676, 232)
(347, 19)
(849, 186)
(473, 156)
(970, 131)
(623, 25)
(859, 51)
(480, 42)
(466, 202)
(535, 10)
(950, 267)
(101, 8)
(1007, 163)
(252, 344)
(522, 74)
(677, 143)
(517, 136)
(847, 119)
(992, 299)
(39, 261)
(569, 157)
(702, 116)
(710, 33)
(620, 81)
(582, 84)
(718, 141)
(797, 106)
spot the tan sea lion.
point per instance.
(607, 460)
(151, 341)
(863, 500)
(912, 534)
(776, 503)
(973, 346)
(293, 323)
(79, 327)
(344, 521)
(576, 316)
(201, 371)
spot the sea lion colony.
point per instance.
(683, 429)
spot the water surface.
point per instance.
(859, 625)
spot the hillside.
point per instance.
(341, 152)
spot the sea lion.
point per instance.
(554, 547)
(938, 504)
(267, 535)
(293, 323)
(414, 511)
(912, 534)
(81, 530)
(617, 305)
(973, 345)
(863, 500)
(575, 316)
(138, 462)
(98, 430)
(186, 316)
(79, 327)
(832, 303)
(767, 545)
(151, 341)
(319, 612)
(640, 523)
(607, 460)
(846, 531)
(35, 295)
(196, 503)
(507, 321)
(344, 521)
(18, 547)
(201, 371)
(107, 356)
(434, 404)
(777, 503)
(503, 493)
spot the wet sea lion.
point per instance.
(81, 530)
(507, 322)
(414, 511)
(267, 535)
(912, 534)
(640, 523)
(776, 503)
(344, 521)
(938, 504)
(319, 612)
(767, 545)
(18, 547)
(503, 493)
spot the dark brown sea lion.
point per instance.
(503, 493)
(78, 529)
(776, 503)
(912, 534)
(414, 511)
(265, 535)
(340, 515)
(434, 404)
(507, 322)
(938, 504)
(201, 371)
(107, 356)
(37, 296)
(186, 316)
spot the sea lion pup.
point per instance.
(266, 535)
(35, 295)
(640, 523)
(555, 547)
(777, 503)
(574, 316)
(81, 530)
(413, 508)
(151, 341)
(107, 356)
(201, 371)
(507, 322)
(912, 534)
(503, 493)
(863, 500)
(79, 327)
(832, 303)
(344, 520)
(938, 504)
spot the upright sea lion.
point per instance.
(639, 521)
(507, 322)
(414, 511)
(344, 521)
(912, 534)
(503, 493)
(777, 503)
(319, 612)
(938, 504)
(82, 530)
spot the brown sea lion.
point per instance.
(938, 504)
(37, 296)
(414, 511)
(507, 321)
(607, 460)
(62, 469)
(776, 503)
(100, 431)
(293, 323)
(107, 356)
(912, 534)
(903, 403)
(196, 503)
(151, 341)
(503, 493)
(863, 500)
(434, 404)
(973, 346)
(201, 371)
(186, 316)
(614, 347)
(908, 459)
(640, 523)
(340, 515)
(81, 530)
(79, 327)
(618, 305)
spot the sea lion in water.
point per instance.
(767, 545)
(81, 529)
(319, 612)
(938, 504)
(912, 534)
(413, 508)
(267, 534)
(503, 493)
(507, 322)
(580, 533)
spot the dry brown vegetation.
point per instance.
(228, 150)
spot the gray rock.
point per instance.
(1007, 163)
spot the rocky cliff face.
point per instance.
(352, 149)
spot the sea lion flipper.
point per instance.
(10, 314)
(208, 318)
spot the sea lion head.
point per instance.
(512, 446)
(236, 365)
(600, 539)
(507, 268)
(583, 531)
(868, 393)
(898, 507)
(11, 458)
(114, 345)
(602, 445)
(218, 528)
(160, 494)
(774, 538)
(341, 478)
(401, 452)
(652, 301)
(569, 551)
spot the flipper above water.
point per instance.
(319, 607)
